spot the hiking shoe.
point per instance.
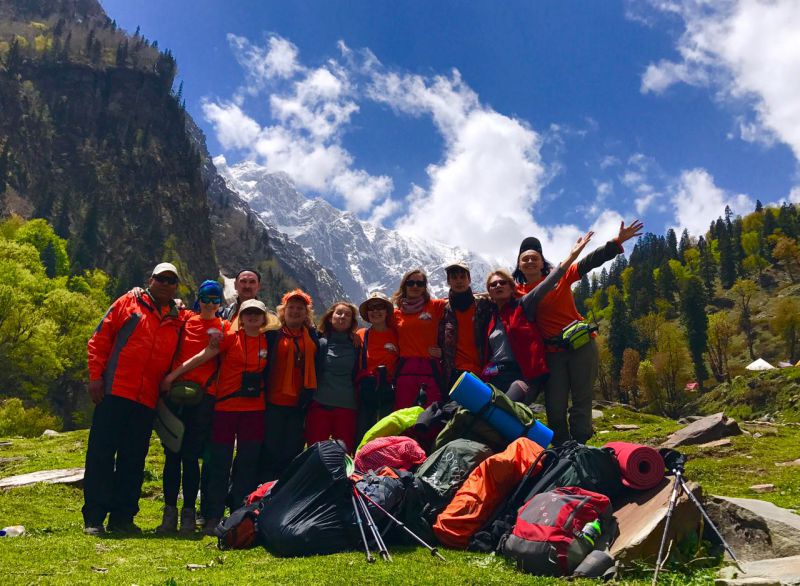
(210, 527)
(169, 520)
(124, 528)
(188, 521)
(94, 530)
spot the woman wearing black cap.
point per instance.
(573, 365)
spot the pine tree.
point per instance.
(667, 285)
(736, 245)
(14, 57)
(621, 333)
(708, 268)
(672, 244)
(727, 261)
(695, 321)
(744, 290)
(582, 293)
(684, 245)
(759, 206)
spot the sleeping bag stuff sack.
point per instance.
(484, 490)
(393, 424)
(309, 510)
(389, 493)
(642, 467)
(395, 451)
(547, 538)
(438, 480)
(481, 399)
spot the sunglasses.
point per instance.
(166, 279)
(415, 283)
(252, 312)
(498, 283)
(206, 299)
(377, 307)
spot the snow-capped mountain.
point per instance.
(363, 256)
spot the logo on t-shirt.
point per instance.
(425, 315)
(262, 354)
(390, 347)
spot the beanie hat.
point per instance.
(210, 287)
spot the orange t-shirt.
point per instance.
(382, 349)
(557, 309)
(466, 352)
(195, 339)
(240, 353)
(416, 332)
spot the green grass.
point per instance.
(54, 550)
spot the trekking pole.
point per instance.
(376, 534)
(360, 524)
(679, 478)
(434, 551)
(672, 500)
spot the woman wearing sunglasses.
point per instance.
(377, 362)
(416, 320)
(572, 371)
(239, 409)
(184, 466)
(513, 351)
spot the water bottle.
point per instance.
(12, 531)
(591, 531)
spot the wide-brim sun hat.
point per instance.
(374, 296)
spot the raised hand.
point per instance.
(577, 248)
(626, 233)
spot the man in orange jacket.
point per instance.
(129, 353)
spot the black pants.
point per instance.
(284, 438)
(118, 443)
(186, 464)
(241, 482)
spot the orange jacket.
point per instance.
(490, 484)
(132, 348)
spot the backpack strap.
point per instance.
(364, 350)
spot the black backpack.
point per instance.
(571, 464)
(239, 530)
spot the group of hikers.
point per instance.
(242, 378)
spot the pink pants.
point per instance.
(412, 374)
(324, 422)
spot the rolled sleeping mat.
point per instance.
(642, 467)
(473, 394)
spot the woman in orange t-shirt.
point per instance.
(238, 411)
(416, 319)
(572, 372)
(377, 362)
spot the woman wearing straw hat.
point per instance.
(239, 409)
(192, 400)
(377, 362)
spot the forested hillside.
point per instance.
(697, 309)
(95, 139)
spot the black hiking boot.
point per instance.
(210, 527)
(94, 530)
(169, 521)
(188, 521)
(124, 527)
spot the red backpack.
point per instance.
(547, 539)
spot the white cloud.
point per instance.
(794, 195)
(311, 109)
(697, 201)
(747, 50)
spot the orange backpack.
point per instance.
(486, 488)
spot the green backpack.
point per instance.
(466, 425)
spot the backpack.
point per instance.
(388, 492)
(394, 451)
(239, 530)
(547, 538)
(436, 482)
(571, 464)
(486, 489)
(309, 510)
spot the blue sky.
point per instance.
(480, 122)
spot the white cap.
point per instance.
(165, 267)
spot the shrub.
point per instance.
(15, 419)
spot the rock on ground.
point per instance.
(784, 571)
(703, 430)
(640, 516)
(755, 529)
(69, 476)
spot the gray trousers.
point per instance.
(572, 373)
